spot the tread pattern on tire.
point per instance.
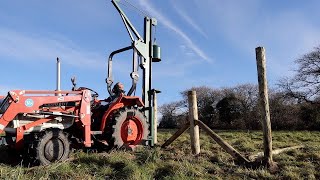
(117, 121)
(36, 148)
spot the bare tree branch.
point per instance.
(305, 85)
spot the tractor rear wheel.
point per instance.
(52, 146)
(129, 128)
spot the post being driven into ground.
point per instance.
(264, 103)
(194, 128)
(155, 117)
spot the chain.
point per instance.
(142, 13)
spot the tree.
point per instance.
(171, 114)
(246, 97)
(207, 98)
(310, 115)
(229, 108)
(284, 112)
(237, 108)
(305, 85)
(247, 94)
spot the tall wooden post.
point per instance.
(194, 128)
(155, 116)
(264, 103)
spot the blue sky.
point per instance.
(207, 42)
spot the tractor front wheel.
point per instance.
(129, 128)
(53, 146)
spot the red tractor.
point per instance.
(45, 125)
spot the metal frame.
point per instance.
(142, 50)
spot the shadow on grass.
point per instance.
(10, 157)
(120, 169)
(163, 172)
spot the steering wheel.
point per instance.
(93, 93)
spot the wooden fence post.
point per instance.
(264, 103)
(155, 116)
(194, 128)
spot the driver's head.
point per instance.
(118, 88)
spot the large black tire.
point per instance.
(129, 128)
(52, 146)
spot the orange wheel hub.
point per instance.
(131, 131)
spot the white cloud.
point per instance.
(36, 48)
(189, 20)
(169, 24)
(286, 34)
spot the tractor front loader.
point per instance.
(36, 122)
(45, 125)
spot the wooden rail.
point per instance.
(176, 135)
(230, 150)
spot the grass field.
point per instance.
(177, 162)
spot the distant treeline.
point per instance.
(237, 108)
(294, 103)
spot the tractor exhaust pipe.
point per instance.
(58, 76)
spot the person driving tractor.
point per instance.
(118, 89)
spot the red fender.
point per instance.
(122, 101)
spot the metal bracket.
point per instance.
(141, 48)
(154, 21)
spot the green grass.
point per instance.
(177, 161)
